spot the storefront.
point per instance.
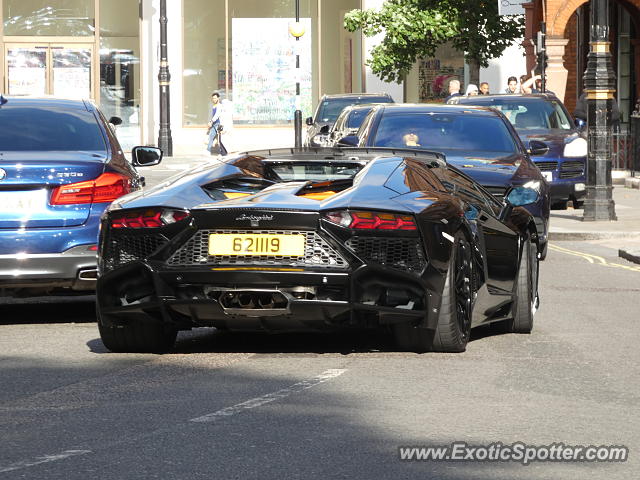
(76, 49)
(107, 50)
(243, 49)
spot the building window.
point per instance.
(68, 18)
(120, 67)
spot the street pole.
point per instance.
(599, 83)
(543, 66)
(297, 116)
(165, 142)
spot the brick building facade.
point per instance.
(567, 24)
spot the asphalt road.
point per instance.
(326, 406)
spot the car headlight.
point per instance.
(576, 148)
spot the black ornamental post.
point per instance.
(599, 83)
(165, 142)
(297, 116)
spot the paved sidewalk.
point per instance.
(568, 224)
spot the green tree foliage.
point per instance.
(415, 28)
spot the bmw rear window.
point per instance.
(33, 128)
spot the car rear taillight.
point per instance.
(147, 218)
(361, 220)
(106, 188)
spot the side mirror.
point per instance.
(580, 124)
(146, 156)
(521, 196)
(348, 141)
(325, 129)
(537, 148)
(309, 121)
(115, 121)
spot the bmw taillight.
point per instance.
(362, 220)
(106, 188)
(147, 218)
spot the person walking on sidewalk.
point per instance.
(215, 146)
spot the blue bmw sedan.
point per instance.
(60, 167)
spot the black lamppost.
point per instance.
(165, 142)
(297, 30)
(599, 83)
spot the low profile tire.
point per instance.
(138, 337)
(454, 321)
(526, 294)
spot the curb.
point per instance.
(632, 182)
(632, 255)
(568, 236)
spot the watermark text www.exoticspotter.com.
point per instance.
(515, 452)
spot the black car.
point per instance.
(328, 109)
(544, 118)
(60, 167)
(287, 240)
(480, 141)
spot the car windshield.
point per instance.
(531, 113)
(314, 171)
(32, 128)
(357, 116)
(449, 131)
(331, 108)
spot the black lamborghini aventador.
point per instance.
(288, 240)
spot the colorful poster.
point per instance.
(264, 70)
(435, 73)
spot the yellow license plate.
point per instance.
(256, 244)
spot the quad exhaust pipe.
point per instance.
(254, 303)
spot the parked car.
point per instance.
(285, 240)
(328, 109)
(544, 118)
(347, 123)
(60, 167)
(479, 141)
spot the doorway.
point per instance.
(63, 70)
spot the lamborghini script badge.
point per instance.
(255, 219)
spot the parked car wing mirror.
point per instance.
(115, 121)
(146, 156)
(309, 121)
(537, 148)
(348, 141)
(580, 123)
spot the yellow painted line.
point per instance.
(594, 259)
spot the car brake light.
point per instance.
(149, 218)
(372, 220)
(106, 188)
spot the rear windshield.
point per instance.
(314, 171)
(448, 131)
(357, 116)
(530, 113)
(31, 128)
(331, 108)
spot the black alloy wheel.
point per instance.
(454, 320)
(525, 299)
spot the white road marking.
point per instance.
(43, 459)
(270, 397)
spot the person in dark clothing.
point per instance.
(581, 110)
